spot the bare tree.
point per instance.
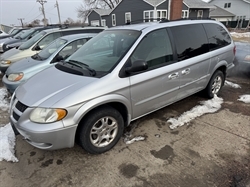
(84, 9)
(69, 21)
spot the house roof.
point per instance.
(208, 1)
(197, 4)
(154, 2)
(102, 12)
(220, 12)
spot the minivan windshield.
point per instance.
(50, 49)
(103, 52)
(31, 41)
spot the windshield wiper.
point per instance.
(82, 65)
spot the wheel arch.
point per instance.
(118, 102)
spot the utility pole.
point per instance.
(21, 19)
(44, 18)
(57, 6)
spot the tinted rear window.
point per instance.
(190, 40)
(218, 37)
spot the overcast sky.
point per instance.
(11, 10)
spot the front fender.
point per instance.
(90, 105)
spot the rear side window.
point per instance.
(190, 40)
(217, 36)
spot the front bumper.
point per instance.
(50, 136)
(11, 86)
(4, 67)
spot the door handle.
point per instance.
(186, 71)
(174, 75)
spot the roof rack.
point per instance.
(147, 20)
(191, 18)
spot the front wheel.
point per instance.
(101, 130)
(215, 84)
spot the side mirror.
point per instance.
(139, 65)
(37, 48)
(57, 59)
(29, 37)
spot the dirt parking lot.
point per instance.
(212, 150)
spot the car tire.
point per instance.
(215, 84)
(100, 130)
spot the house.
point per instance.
(240, 8)
(136, 11)
(195, 8)
(220, 14)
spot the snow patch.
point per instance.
(228, 83)
(135, 139)
(244, 98)
(4, 104)
(7, 144)
(240, 35)
(128, 136)
(209, 106)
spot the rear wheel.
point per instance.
(215, 84)
(100, 130)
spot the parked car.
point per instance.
(38, 42)
(2, 33)
(56, 51)
(17, 41)
(12, 33)
(242, 57)
(118, 76)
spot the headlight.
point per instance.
(247, 58)
(47, 115)
(5, 62)
(15, 76)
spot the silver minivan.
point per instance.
(118, 76)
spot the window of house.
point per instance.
(161, 14)
(148, 15)
(113, 20)
(127, 17)
(184, 14)
(227, 5)
(200, 14)
(104, 22)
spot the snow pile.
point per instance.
(232, 84)
(209, 106)
(244, 98)
(7, 144)
(240, 35)
(4, 104)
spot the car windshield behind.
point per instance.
(17, 36)
(50, 49)
(31, 41)
(13, 31)
(103, 52)
(26, 34)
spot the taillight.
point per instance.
(234, 49)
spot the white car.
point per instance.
(2, 33)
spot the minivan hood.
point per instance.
(22, 65)
(50, 86)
